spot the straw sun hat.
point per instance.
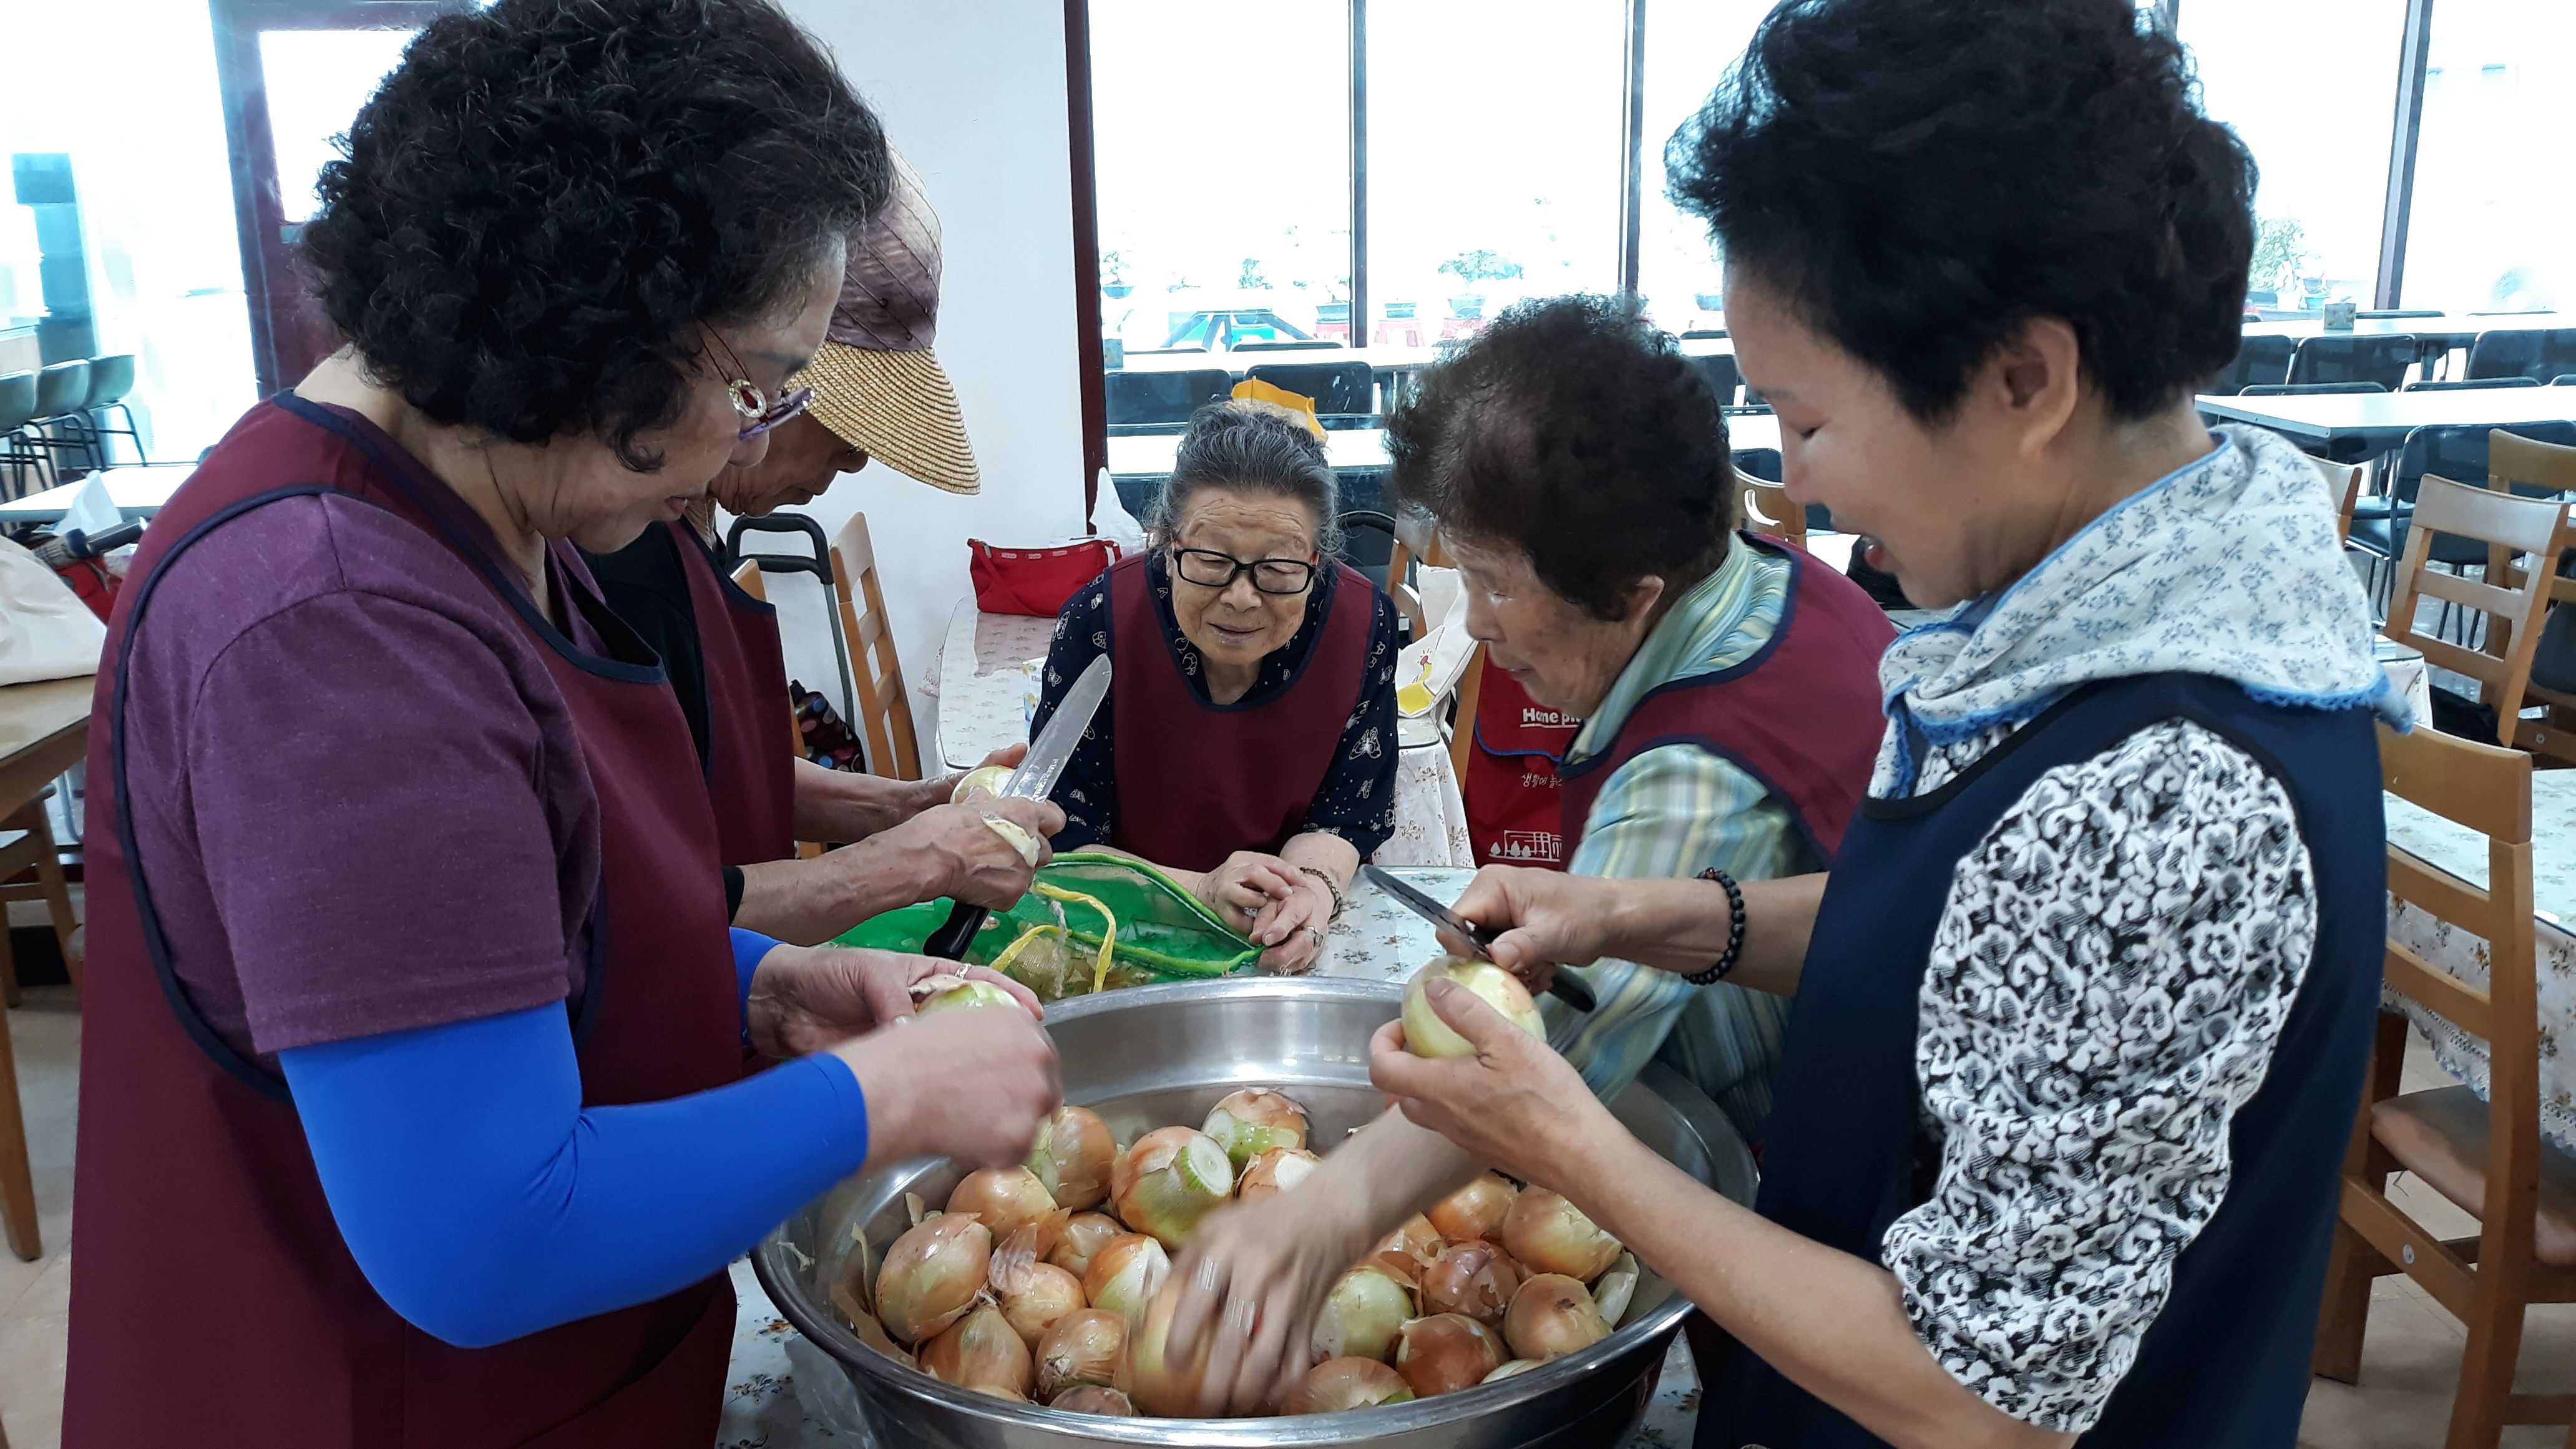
(877, 384)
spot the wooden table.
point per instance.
(44, 730)
(138, 491)
(2381, 420)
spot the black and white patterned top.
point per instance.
(1357, 798)
(2111, 971)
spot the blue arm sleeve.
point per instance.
(485, 1203)
(748, 948)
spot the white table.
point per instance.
(1379, 359)
(2381, 420)
(1364, 449)
(138, 490)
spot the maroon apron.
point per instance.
(750, 774)
(1199, 781)
(214, 1303)
(1801, 716)
(1511, 790)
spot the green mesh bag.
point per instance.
(1052, 944)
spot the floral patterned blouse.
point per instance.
(1356, 800)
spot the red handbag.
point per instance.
(1035, 580)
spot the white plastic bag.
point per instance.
(46, 632)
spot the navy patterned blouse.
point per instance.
(1357, 798)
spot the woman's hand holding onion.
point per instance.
(971, 1086)
(966, 859)
(1252, 1283)
(811, 998)
(1512, 1105)
(1553, 920)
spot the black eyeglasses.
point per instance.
(1212, 570)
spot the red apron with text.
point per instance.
(213, 1301)
(1802, 715)
(1199, 781)
(1511, 787)
(751, 776)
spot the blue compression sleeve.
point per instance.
(484, 1202)
(748, 948)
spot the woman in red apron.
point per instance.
(877, 390)
(411, 1048)
(1248, 744)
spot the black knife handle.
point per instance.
(950, 941)
(1572, 992)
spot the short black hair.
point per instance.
(1575, 432)
(1920, 180)
(1256, 447)
(545, 198)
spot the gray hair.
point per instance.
(1251, 447)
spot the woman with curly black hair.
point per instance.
(2081, 1011)
(415, 1111)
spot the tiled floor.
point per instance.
(2409, 1363)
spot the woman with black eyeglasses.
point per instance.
(1247, 745)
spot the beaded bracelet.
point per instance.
(1330, 889)
(1734, 930)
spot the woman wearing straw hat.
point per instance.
(874, 390)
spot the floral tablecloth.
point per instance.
(2463, 853)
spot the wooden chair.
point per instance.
(1399, 578)
(2514, 462)
(747, 578)
(1768, 511)
(2507, 524)
(885, 710)
(34, 846)
(2486, 1157)
(2342, 482)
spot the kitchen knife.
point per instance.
(1564, 988)
(1033, 780)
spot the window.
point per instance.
(1689, 49)
(2310, 86)
(2493, 225)
(1222, 144)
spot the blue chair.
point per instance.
(2470, 384)
(1723, 377)
(1344, 392)
(2564, 380)
(2535, 355)
(111, 379)
(2382, 360)
(1368, 543)
(2259, 359)
(2398, 314)
(17, 409)
(1148, 401)
(2309, 389)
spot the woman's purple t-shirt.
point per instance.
(359, 799)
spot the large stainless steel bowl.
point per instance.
(1151, 1056)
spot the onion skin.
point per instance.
(1251, 1122)
(932, 1274)
(1126, 1274)
(1615, 1288)
(1361, 1316)
(1093, 1399)
(1074, 1155)
(1085, 1235)
(981, 1352)
(1551, 1317)
(1167, 1180)
(1407, 1251)
(1475, 1279)
(1274, 1172)
(1426, 1035)
(1513, 1369)
(1006, 1198)
(965, 996)
(1083, 1347)
(1050, 1295)
(988, 778)
(1340, 1384)
(1162, 1388)
(1445, 1353)
(1550, 1235)
(1474, 1211)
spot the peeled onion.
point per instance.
(1515, 1367)
(935, 994)
(1474, 1211)
(982, 1352)
(1361, 1316)
(932, 1274)
(1084, 1235)
(1475, 1279)
(1050, 1293)
(1550, 1235)
(1552, 1316)
(1169, 1179)
(1073, 1157)
(1251, 1122)
(1274, 1172)
(1093, 1399)
(1445, 1353)
(1126, 1274)
(988, 778)
(1338, 1384)
(1006, 1198)
(1082, 1347)
(1407, 1251)
(1426, 1035)
(1161, 1387)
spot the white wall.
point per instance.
(973, 95)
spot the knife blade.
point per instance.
(1563, 987)
(1033, 780)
